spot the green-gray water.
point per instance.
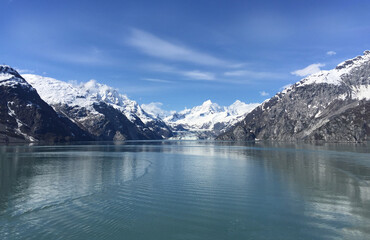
(185, 190)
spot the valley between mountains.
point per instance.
(332, 106)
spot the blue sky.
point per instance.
(181, 53)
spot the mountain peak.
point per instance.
(5, 69)
(240, 108)
(330, 105)
(334, 76)
(208, 102)
(237, 103)
(207, 106)
(350, 63)
(10, 77)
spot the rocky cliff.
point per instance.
(25, 117)
(329, 106)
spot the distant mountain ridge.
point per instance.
(207, 120)
(327, 106)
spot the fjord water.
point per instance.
(185, 190)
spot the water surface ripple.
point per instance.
(185, 190)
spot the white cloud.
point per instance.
(330, 53)
(155, 108)
(253, 74)
(311, 69)
(198, 75)
(235, 73)
(156, 80)
(154, 46)
(264, 94)
(24, 71)
(193, 74)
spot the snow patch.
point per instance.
(361, 92)
(329, 77)
(18, 130)
(5, 76)
(334, 76)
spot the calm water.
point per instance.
(185, 190)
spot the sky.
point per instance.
(179, 54)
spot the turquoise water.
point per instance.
(185, 190)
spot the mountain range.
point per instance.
(207, 120)
(98, 112)
(327, 106)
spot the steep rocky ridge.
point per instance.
(25, 117)
(329, 106)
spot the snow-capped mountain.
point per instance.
(25, 117)
(96, 107)
(329, 105)
(99, 109)
(207, 120)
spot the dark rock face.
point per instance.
(25, 117)
(353, 125)
(314, 110)
(155, 128)
(109, 124)
(160, 129)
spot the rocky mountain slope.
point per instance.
(25, 117)
(99, 109)
(87, 105)
(207, 120)
(330, 106)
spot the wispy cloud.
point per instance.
(192, 74)
(238, 65)
(311, 69)
(24, 71)
(264, 94)
(157, 47)
(253, 74)
(199, 75)
(157, 80)
(196, 74)
(330, 53)
(235, 73)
